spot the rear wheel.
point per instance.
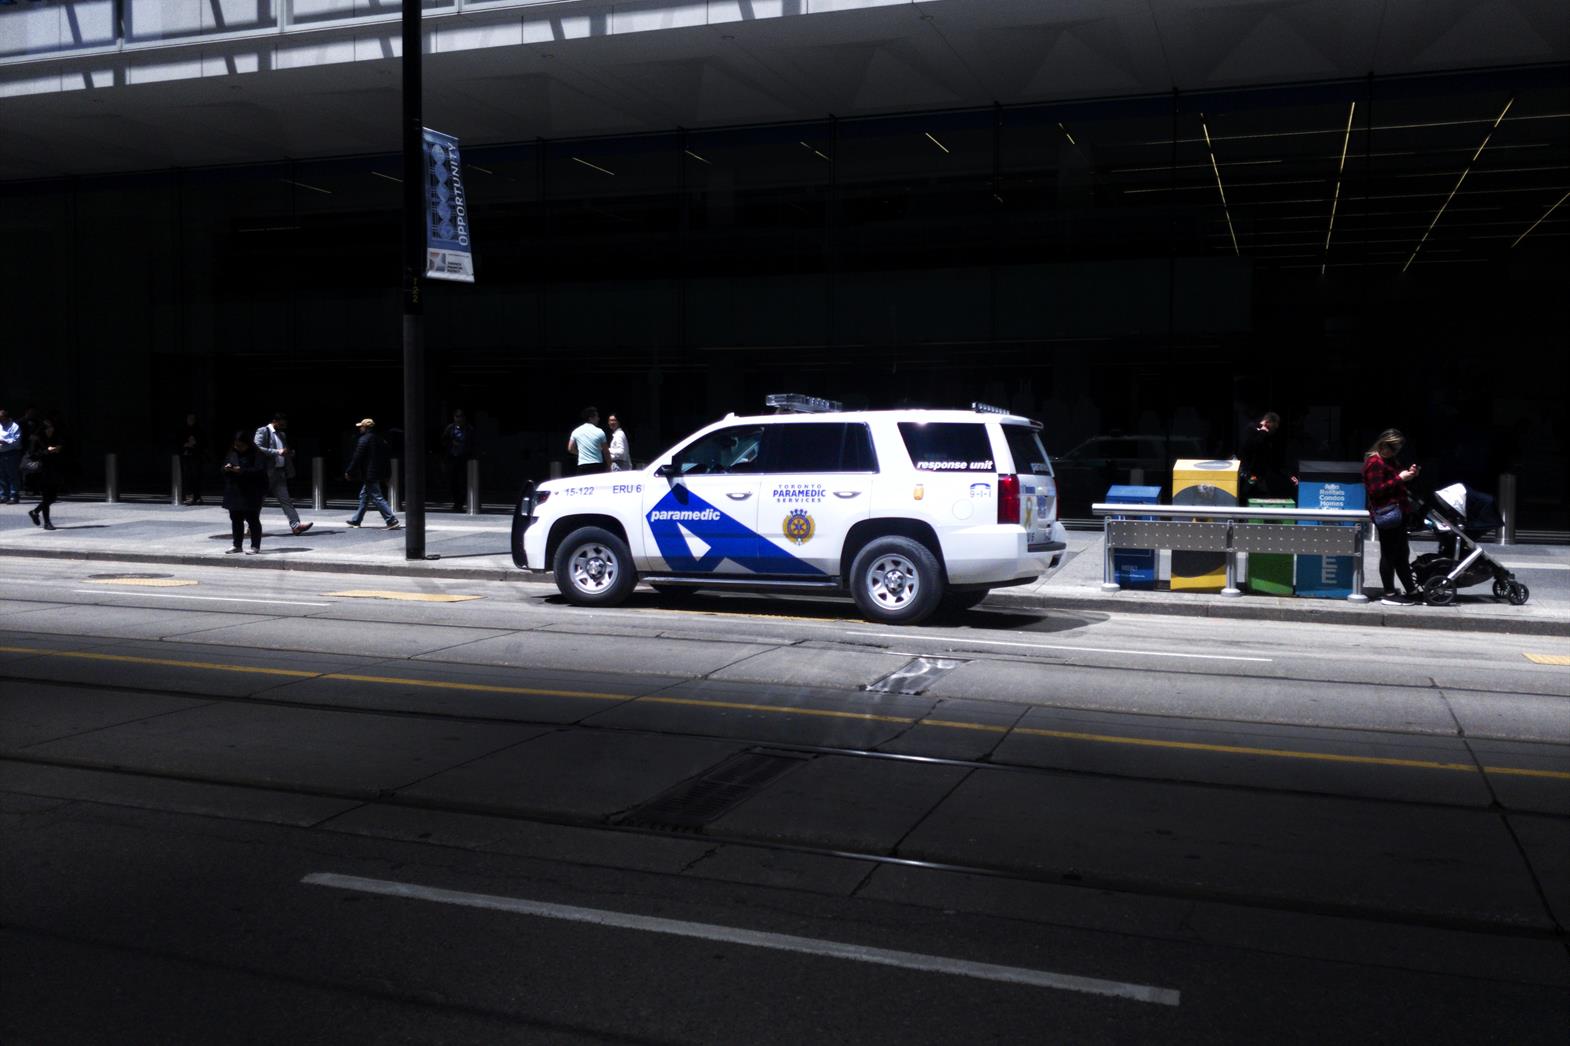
(594, 568)
(1502, 587)
(1439, 592)
(896, 581)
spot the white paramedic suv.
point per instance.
(908, 511)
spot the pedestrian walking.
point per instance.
(458, 448)
(245, 488)
(1385, 481)
(278, 457)
(588, 442)
(367, 466)
(620, 449)
(1263, 460)
(46, 461)
(10, 460)
(190, 444)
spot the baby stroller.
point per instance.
(1460, 518)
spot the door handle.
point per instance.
(742, 495)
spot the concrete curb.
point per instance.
(1318, 612)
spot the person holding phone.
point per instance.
(245, 488)
(1385, 481)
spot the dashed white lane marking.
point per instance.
(754, 939)
(178, 595)
(967, 641)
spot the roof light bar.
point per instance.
(987, 408)
(1465, 171)
(796, 403)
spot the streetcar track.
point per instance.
(1069, 878)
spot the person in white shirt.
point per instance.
(620, 450)
(269, 439)
(10, 460)
(588, 442)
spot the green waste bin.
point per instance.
(1270, 574)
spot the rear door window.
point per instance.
(948, 446)
(818, 447)
(1026, 450)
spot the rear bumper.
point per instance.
(999, 554)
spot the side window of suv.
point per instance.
(728, 450)
(948, 446)
(818, 447)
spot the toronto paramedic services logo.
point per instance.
(799, 527)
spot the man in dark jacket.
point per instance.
(1264, 461)
(367, 466)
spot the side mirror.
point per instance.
(668, 470)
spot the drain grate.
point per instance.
(916, 676)
(694, 803)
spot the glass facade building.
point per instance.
(1146, 274)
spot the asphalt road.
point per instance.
(247, 806)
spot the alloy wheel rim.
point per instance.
(893, 582)
(594, 569)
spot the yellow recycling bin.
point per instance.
(1202, 484)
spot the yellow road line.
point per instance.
(1067, 735)
(413, 597)
(780, 709)
(166, 662)
(485, 688)
(145, 582)
(1549, 659)
(1279, 753)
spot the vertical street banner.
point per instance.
(447, 246)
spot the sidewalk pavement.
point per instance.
(476, 548)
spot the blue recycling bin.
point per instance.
(1134, 567)
(1328, 485)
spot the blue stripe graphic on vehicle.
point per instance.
(726, 537)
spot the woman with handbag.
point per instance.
(245, 487)
(46, 464)
(1385, 481)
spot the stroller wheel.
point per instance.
(1502, 587)
(1519, 593)
(1439, 592)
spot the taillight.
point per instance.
(1008, 498)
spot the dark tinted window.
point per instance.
(1026, 450)
(819, 447)
(948, 446)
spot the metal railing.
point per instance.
(1231, 530)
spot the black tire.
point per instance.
(1519, 594)
(594, 568)
(1439, 592)
(959, 602)
(896, 581)
(1502, 587)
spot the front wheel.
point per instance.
(1518, 594)
(594, 568)
(896, 581)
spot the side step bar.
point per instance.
(739, 582)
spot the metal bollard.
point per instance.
(1231, 590)
(111, 478)
(474, 487)
(395, 471)
(1108, 584)
(318, 488)
(176, 491)
(1507, 508)
(1358, 595)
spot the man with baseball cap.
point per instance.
(367, 466)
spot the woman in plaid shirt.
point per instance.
(1386, 481)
